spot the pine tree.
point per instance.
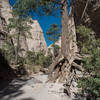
(53, 35)
(21, 24)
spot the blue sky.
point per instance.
(46, 21)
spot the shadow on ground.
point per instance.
(13, 90)
(10, 85)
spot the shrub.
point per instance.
(45, 61)
(8, 51)
(30, 58)
(90, 82)
(86, 39)
(37, 59)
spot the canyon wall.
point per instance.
(37, 42)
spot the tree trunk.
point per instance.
(17, 48)
(68, 38)
(68, 46)
(68, 41)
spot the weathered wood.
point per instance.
(52, 66)
(78, 57)
(78, 67)
(68, 38)
(68, 46)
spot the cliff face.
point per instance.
(37, 42)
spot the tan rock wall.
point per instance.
(37, 42)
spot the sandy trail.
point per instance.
(34, 88)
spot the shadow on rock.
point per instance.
(6, 72)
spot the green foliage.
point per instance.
(7, 50)
(39, 58)
(53, 33)
(44, 61)
(24, 7)
(86, 39)
(49, 7)
(30, 57)
(90, 82)
(20, 25)
(9, 53)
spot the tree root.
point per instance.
(63, 71)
